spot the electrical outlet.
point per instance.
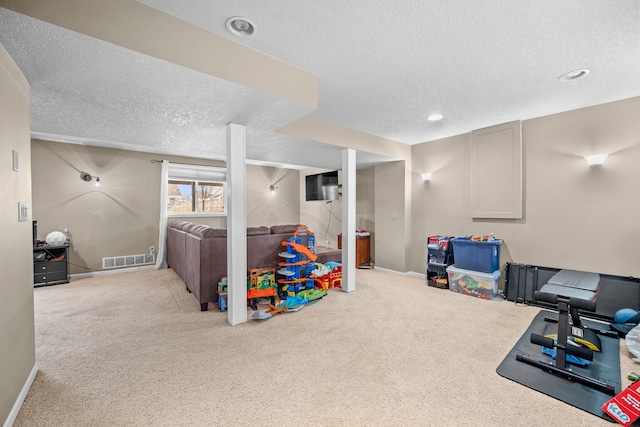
(152, 249)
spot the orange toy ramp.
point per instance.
(302, 249)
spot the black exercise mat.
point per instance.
(605, 367)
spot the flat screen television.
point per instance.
(322, 186)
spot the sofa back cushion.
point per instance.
(204, 231)
(263, 250)
(258, 231)
(284, 229)
(180, 225)
(187, 226)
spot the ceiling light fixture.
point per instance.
(239, 26)
(273, 189)
(573, 75)
(435, 117)
(596, 160)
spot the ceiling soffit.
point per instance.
(135, 26)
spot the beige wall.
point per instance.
(574, 217)
(391, 215)
(325, 219)
(119, 218)
(377, 198)
(266, 209)
(122, 216)
(383, 207)
(441, 206)
(17, 342)
(565, 201)
(365, 205)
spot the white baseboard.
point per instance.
(114, 271)
(416, 274)
(23, 394)
(405, 274)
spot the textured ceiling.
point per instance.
(383, 67)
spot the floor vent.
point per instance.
(128, 261)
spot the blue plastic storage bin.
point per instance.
(477, 256)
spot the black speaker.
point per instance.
(35, 233)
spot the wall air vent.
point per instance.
(128, 261)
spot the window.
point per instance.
(195, 196)
(193, 190)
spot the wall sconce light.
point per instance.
(87, 178)
(426, 176)
(596, 160)
(273, 190)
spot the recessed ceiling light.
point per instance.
(573, 75)
(239, 26)
(435, 117)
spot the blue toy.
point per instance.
(332, 264)
(624, 315)
(222, 294)
(294, 303)
(570, 358)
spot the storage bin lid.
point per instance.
(491, 276)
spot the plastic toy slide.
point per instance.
(301, 249)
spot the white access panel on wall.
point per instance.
(496, 171)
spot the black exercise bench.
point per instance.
(570, 291)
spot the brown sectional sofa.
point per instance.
(198, 254)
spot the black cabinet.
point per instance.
(439, 257)
(50, 265)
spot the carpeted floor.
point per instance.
(133, 349)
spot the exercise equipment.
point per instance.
(570, 291)
(605, 366)
(626, 315)
(624, 320)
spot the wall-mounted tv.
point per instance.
(322, 186)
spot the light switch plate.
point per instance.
(15, 156)
(22, 211)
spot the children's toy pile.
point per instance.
(302, 279)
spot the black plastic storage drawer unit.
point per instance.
(50, 265)
(439, 257)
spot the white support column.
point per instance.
(236, 225)
(348, 220)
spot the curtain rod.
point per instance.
(181, 163)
